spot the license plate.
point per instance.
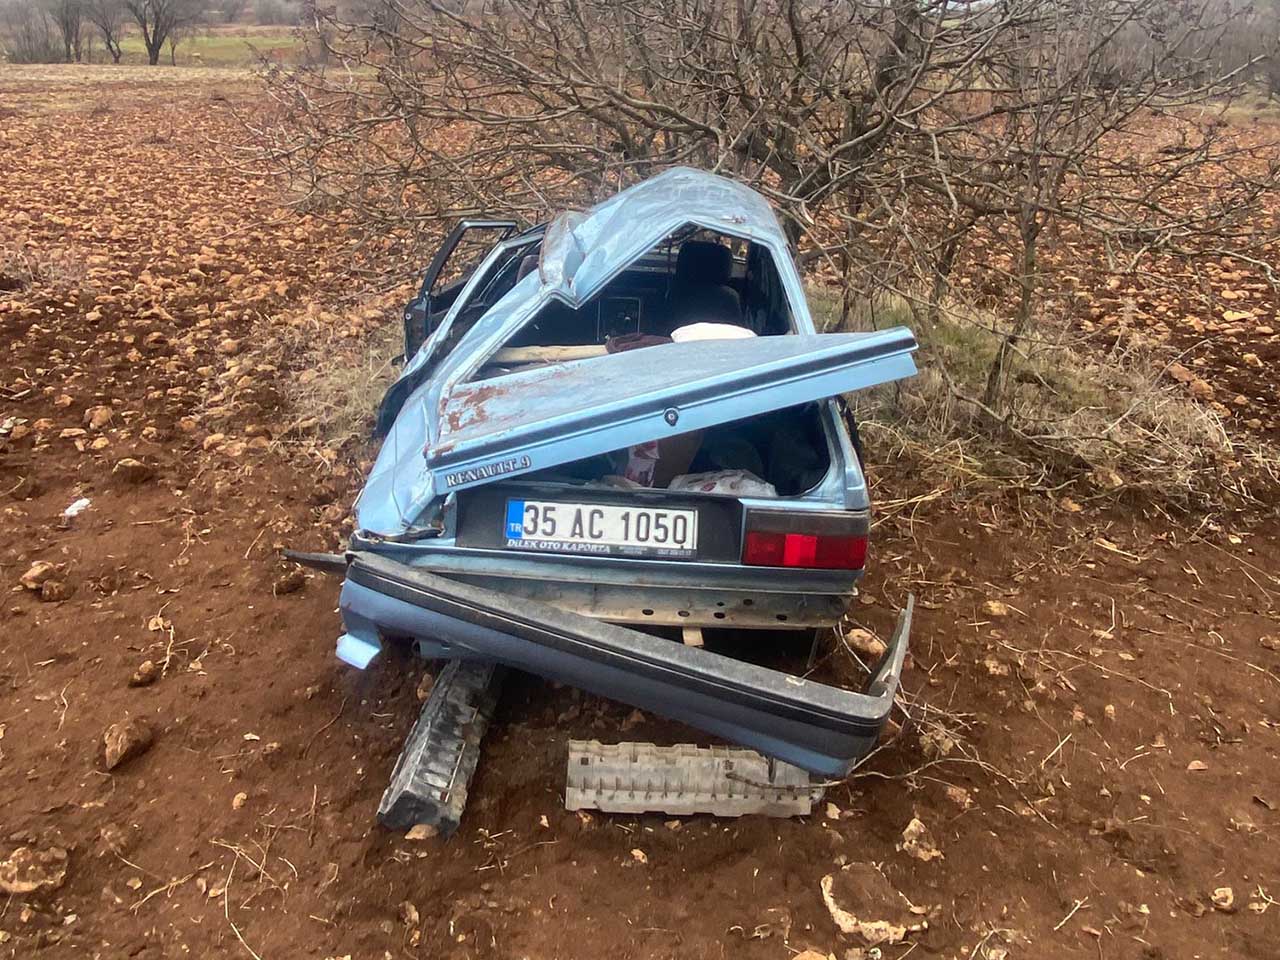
(600, 528)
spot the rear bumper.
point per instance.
(648, 592)
(824, 729)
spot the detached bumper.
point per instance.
(823, 729)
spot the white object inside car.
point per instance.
(735, 483)
(710, 331)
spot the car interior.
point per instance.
(696, 281)
(692, 278)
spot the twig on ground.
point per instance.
(341, 707)
(226, 909)
(169, 887)
(1054, 752)
(1070, 914)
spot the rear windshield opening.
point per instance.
(780, 454)
(695, 284)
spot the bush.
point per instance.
(28, 35)
(1108, 418)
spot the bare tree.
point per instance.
(1060, 136)
(176, 36)
(890, 134)
(68, 18)
(157, 19)
(566, 99)
(27, 33)
(110, 19)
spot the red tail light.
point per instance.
(764, 545)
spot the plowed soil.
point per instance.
(1099, 688)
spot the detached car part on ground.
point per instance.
(625, 418)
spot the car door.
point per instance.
(446, 316)
(462, 251)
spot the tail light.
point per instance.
(827, 541)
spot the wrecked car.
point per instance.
(613, 432)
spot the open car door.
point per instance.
(461, 251)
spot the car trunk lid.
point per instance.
(546, 417)
(500, 428)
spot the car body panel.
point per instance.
(581, 253)
(821, 728)
(456, 443)
(552, 415)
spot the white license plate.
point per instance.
(600, 528)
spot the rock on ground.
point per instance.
(30, 871)
(125, 740)
(131, 470)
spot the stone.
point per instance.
(95, 418)
(132, 470)
(918, 842)
(1200, 389)
(865, 642)
(37, 574)
(883, 915)
(423, 689)
(55, 591)
(146, 674)
(30, 871)
(125, 740)
(290, 582)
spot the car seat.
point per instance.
(700, 291)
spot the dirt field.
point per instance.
(1099, 771)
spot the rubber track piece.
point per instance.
(684, 779)
(430, 782)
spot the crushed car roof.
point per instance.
(583, 249)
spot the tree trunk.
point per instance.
(1030, 229)
(946, 264)
(153, 53)
(942, 279)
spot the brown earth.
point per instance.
(1094, 691)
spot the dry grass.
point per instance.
(1253, 107)
(342, 364)
(1074, 412)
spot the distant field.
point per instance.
(223, 48)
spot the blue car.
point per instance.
(613, 432)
